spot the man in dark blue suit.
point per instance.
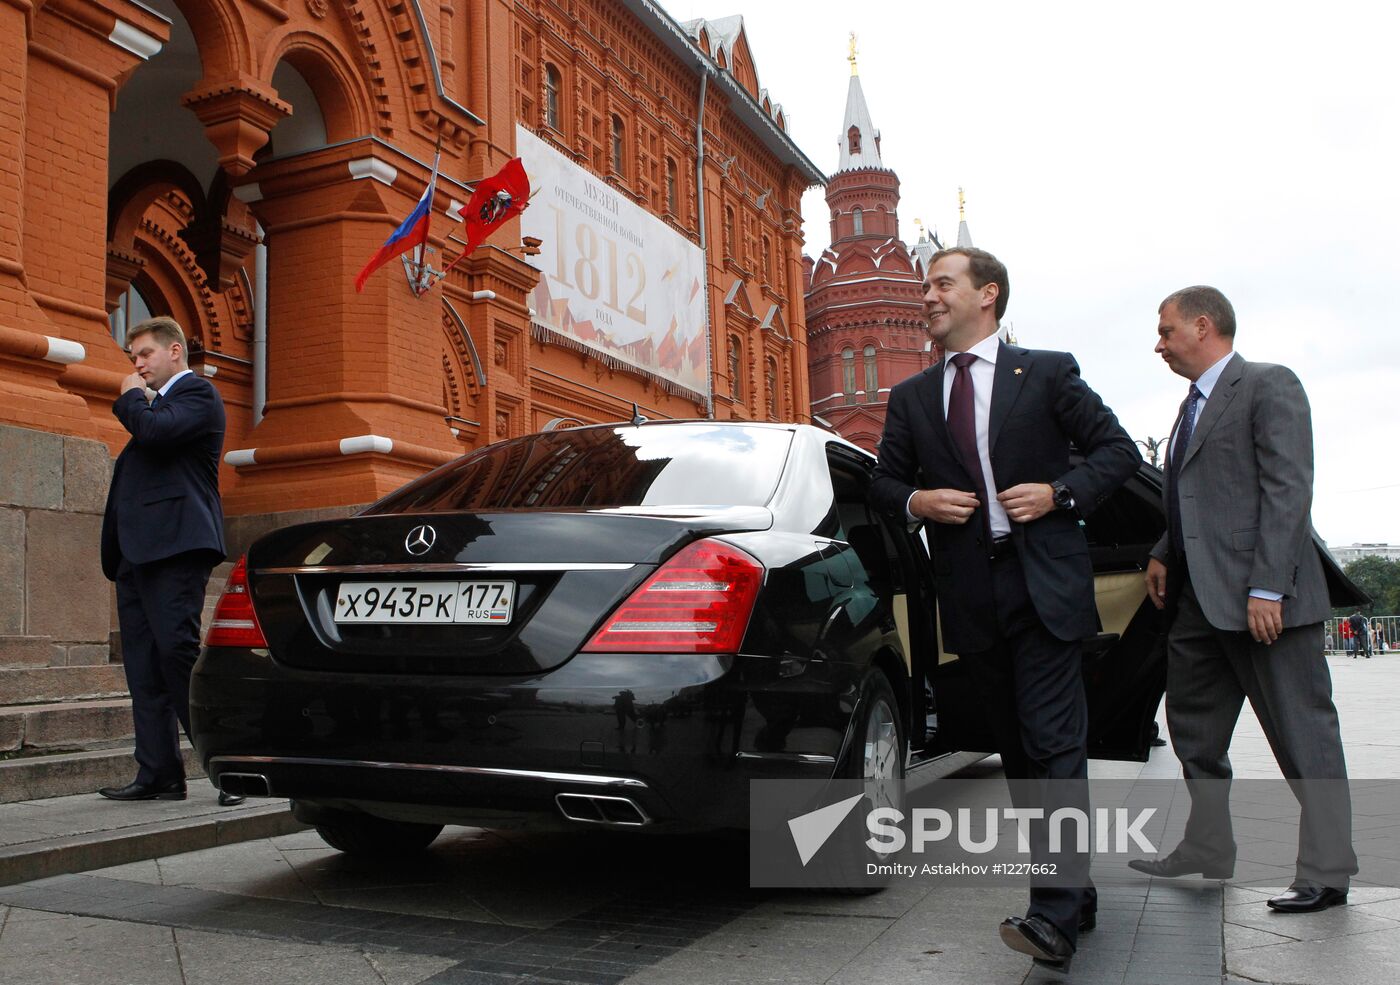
(162, 534)
(979, 445)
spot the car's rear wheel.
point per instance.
(374, 837)
(876, 757)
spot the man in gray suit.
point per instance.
(1240, 570)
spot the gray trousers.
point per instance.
(1209, 674)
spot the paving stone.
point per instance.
(218, 959)
(42, 951)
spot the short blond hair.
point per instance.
(166, 330)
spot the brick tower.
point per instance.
(866, 327)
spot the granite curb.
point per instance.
(65, 853)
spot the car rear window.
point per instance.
(599, 468)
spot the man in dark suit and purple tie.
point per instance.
(162, 534)
(979, 446)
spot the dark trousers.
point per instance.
(1210, 672)
(1032, 685)
(159, 607)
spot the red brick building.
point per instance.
(866, 328)
(234, 162)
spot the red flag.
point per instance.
(496, 200)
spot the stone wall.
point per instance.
(52, 492)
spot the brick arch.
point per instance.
(134, 192)
(168, 273)
(221, 35)
(333, 76)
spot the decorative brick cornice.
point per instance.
(238, 115)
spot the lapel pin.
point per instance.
(1017, 371)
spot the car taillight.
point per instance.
(697, 602)
(235, 623)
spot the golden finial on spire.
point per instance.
(962, 205)
(920, 224)
(852, 56)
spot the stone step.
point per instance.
(28, 651)
(47, 685)
(65, 774)
(84, 832)
(69, 725)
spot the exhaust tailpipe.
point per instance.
(620, 812)
(245, 785)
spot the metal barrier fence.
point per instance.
(1383, 636)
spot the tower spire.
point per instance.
(964, 234)
(860, 141)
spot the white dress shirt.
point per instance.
(983, 372)
(171, 382)
(1206, 383)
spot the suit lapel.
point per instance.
(931, 390)
(1007, 380)
(1216, 404)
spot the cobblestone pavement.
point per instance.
(493, 908)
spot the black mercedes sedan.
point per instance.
(618, 625)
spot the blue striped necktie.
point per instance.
(1178, 452)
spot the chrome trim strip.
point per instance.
(446, 568)
(584, 778)
(788, 757)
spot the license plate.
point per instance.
(480, 602)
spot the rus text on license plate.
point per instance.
(425, 602)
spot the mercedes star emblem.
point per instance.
(420, 539)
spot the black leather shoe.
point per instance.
(174, 790)
(230, 799)
(1038, 937)
(1175, 865)
(1088, 920)
(1306, 898)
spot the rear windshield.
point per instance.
(598, 468)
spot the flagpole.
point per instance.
(421, 280)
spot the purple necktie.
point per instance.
(962, 425)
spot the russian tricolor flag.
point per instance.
(412, 232)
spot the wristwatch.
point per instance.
(1063, 498)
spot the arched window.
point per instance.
(736, 368)
(728, 231)
(853, 139)
(872, 383)
(771, 381)
(767, 259)
(617, 145)
(132, 309)
(672, 196)
(848, 374)
(553, 86)
(858, 220)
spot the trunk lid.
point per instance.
(553, 575)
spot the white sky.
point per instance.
(1114, 152)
